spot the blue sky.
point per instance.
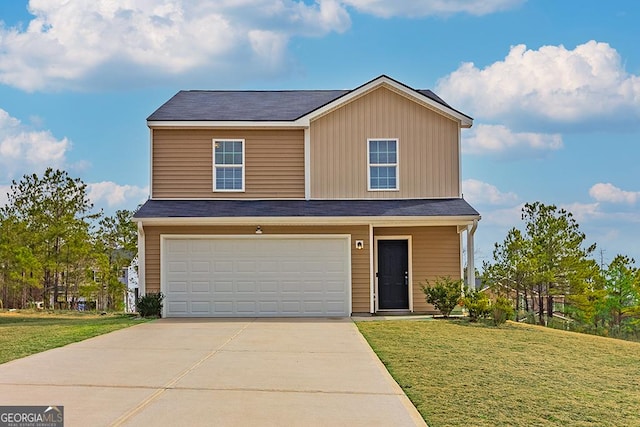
(553, 86)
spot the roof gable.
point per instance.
(424, 97)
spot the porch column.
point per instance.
(141, 260)
(471, 271)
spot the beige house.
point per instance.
(303, 203)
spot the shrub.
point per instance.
(150, 305)
(501, 310)
(445, 294)
(477, 303)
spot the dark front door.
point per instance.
(393, 274)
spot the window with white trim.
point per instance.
(228, 165)
(382, 155)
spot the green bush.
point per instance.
(445, 294)
(477, 303)
(150, 305)
(502, 310)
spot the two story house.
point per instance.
(303, 202)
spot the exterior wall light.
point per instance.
(258, 230)
(359, 244)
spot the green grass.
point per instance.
(457, 373)
(25, 333)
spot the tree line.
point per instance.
(56, 251)
(547, 269)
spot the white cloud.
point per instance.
(83, 44)
(416, 8)
(481, 192)
(504, 218)
(587, 85)
(606, 192)
(500, 140)
(115, 195)
(23, 150)
(583, 212)
(4, 192)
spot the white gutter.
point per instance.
(381, 221)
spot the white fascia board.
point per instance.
(150, 163)
(465, 121)
(387, 221)
(224, 124)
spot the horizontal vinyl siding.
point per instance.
(183, 163)
(436, 252)
(360, 279)
(427, 144)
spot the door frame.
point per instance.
(408, 238)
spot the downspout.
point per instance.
(471, 271)
(141, 260)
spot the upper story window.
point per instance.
(228, 161)
(383, 164)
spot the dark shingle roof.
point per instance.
(221, 105)
(304, 208)
(251, 105)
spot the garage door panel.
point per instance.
(288, 276)
(200, 267)
(223, 266)
(267, 266)
(291, 307)
(246, 307)
(310, 287)
(201, 287)
(177, 287)
(220, 286)
(177, 247)
(334, 286)
(178, 267)
(178, 307)
(223, 307)
(269, 307)
(200, 307)
(246, 287)
(200, 246)
(269, 287)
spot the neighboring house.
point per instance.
(129, 278)
(303, 203)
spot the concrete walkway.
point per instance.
(246, 372)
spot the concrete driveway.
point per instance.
(245, 372)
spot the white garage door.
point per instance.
(256, 276)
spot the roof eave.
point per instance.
(452, 220)
(155, 124)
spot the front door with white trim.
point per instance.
(393, 275)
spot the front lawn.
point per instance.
(457, 373)
(25, 333)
